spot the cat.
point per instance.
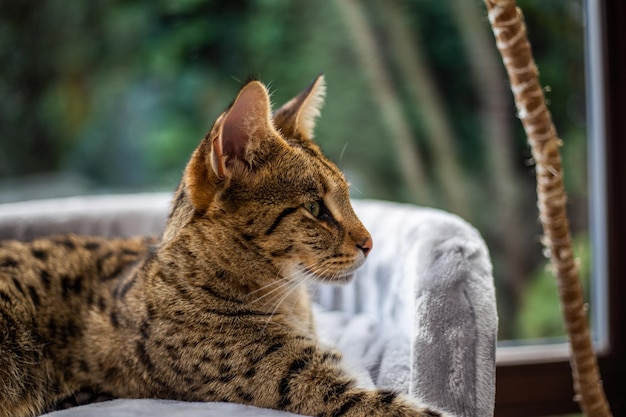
(215, 310)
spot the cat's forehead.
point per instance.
(312, 166)
(299, 176)
(300, 180)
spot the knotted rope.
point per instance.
(510, 32)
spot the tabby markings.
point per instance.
(65, 242)
(114, 319)
(226, 373)
(239, 313)
(144, 329)
(18, 285)
(84, 366)
(5, 297)
(144, 357)
(336, 358)
(102, 305)
(284, 387)
(52, 326)
(215, 294)
(246, 396)
(113, 273)
(282, 252)
(353, 400)
(92, 246)
(258, 358)
(67, 285)
(248, 237)
(279, 219)
(40, 254)
(34, 296)
(337, 390)
(387, 396)
(45, 278)
(90, 297)
(8, 262)
(174, 353)
(70, 330)
(127, 286)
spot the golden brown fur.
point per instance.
(218, 309)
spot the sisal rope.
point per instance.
(509, 29)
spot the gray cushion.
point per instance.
(419, 317)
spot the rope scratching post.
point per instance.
(508, 27)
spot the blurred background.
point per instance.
(111, 96)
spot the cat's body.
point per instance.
(217, 309)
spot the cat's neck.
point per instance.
(192, 267)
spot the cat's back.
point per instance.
(48, 287)
(50, 273)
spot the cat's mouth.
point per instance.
(331, 277)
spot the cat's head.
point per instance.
(259, 189)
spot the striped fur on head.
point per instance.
(260, 183)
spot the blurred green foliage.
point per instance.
(116, 94)
(539, 315)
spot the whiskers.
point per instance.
(294, 285)
(280, 284)
(354, 187)
(275, 293)
(343, 150)
(322, 273)
(284, 287)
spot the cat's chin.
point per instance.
(340, 280)
(334, 279)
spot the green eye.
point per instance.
(313, 207)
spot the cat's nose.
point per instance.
(365, 246)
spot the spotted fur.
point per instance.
(217, 309)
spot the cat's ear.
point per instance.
(298, 115)
(232, 145)
(241, 129)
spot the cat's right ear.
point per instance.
(246, 123)
(231, 147)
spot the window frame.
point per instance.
(538, 382)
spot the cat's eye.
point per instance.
(314, 208)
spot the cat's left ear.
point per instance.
(298, 115)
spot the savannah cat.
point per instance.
(216, 310)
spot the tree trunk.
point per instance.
(406, 50)
(389, 105)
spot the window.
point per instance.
(539, 384)
(109, 97)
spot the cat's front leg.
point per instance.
(310, 380)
